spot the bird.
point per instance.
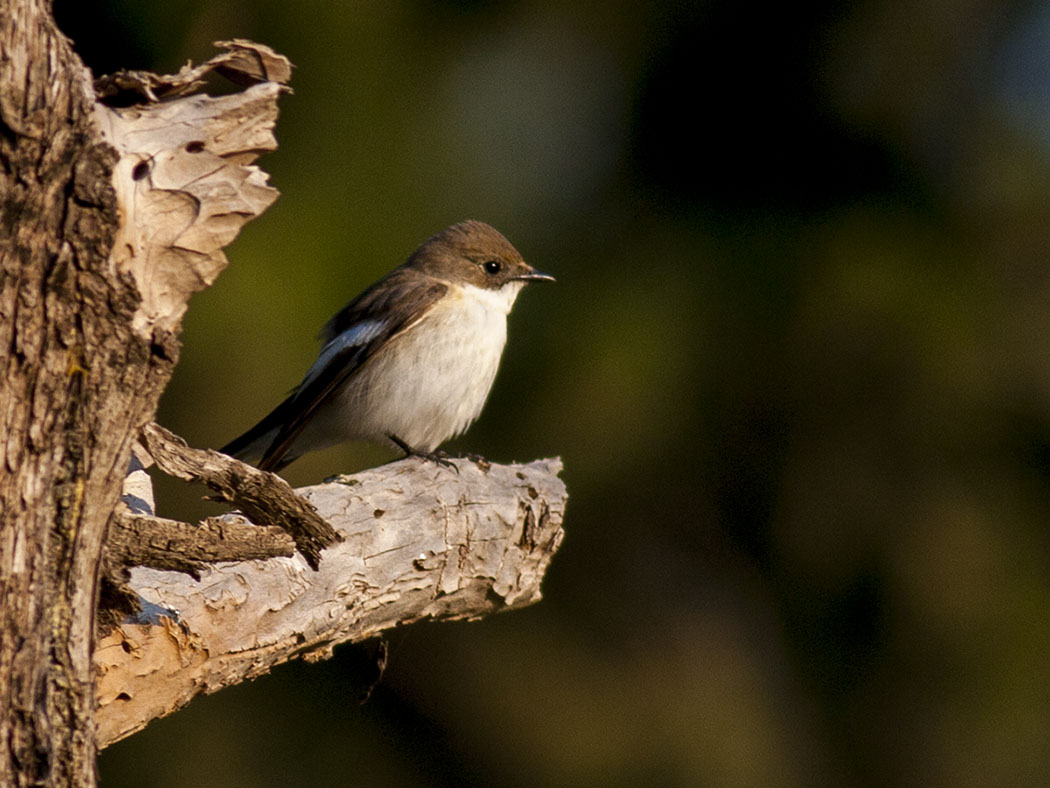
(408, 362)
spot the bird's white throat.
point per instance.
(500, 300)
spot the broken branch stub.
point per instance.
(185, 180)
(265, 498)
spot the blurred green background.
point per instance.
(796, 363)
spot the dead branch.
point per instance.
(159, 543)
(264, 497)
(418, 542)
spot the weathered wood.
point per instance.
(264, 497)
(419, 541)
(65, 357)
(159, 543)
(243, 62)
(186, 183)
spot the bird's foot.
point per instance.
(436, 457)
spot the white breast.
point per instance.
(432, 381)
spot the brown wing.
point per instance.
(352, 336)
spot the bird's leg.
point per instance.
(438, 457)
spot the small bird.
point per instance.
(411, 360)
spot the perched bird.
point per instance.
(410, 360)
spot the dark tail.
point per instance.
(252, 445)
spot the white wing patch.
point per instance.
(357, 335)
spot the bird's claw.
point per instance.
(437, 457)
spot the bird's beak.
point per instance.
(532, 275)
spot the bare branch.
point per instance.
(419, 542)
(263, 497)
(159, 543)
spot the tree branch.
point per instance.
(159, 543)
(264, 497)
(418, 542)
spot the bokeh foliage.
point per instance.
(796, 363)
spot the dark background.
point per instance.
(796, 363)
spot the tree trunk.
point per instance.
(89, 310)
(65, 416)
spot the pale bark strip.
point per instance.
(186, 179)
(244, 63)
(419, 542)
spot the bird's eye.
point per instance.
(492, 267)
